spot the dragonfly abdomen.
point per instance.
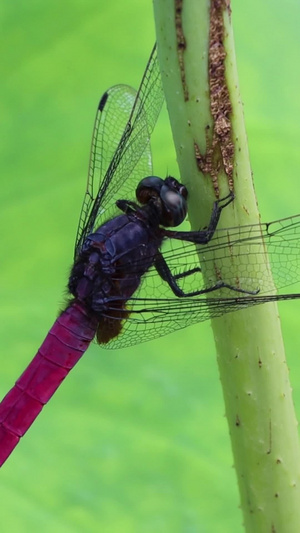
(64, 345)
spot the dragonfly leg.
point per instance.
(187, 273)
(205, 235)
(165, 273)
(127, 206)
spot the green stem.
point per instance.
(197, 59)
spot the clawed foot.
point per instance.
(227, 199)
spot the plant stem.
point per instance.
(197, 59)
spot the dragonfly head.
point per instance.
(168, 195)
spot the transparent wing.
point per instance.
(120, 152)
(155, 311)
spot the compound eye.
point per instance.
(183, 191)
(148, 188)
(172, 183)
(175, 206)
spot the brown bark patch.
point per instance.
(181, 46)
(219, 154)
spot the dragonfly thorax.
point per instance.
(168, 195)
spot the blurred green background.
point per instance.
(134, 440)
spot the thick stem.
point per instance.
(197, 59)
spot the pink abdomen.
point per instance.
(64, 345)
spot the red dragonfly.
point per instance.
(133, 279)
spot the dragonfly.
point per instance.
(133, 278)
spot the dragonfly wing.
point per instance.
(120, 153)
(155, 311)
(237, 256)
(111, 118)
(154, 319)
